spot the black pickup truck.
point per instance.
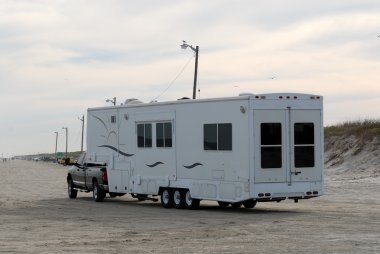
(84, 176)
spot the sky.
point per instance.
(59, 58)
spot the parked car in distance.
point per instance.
(87, 177)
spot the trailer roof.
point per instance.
(242, 96)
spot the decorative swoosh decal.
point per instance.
(104, 124)
(194, 165)
(117, 150)
(155, 164)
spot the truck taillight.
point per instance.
(104, 176)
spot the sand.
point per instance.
(36, 216)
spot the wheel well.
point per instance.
(69, 177)
(94, 180)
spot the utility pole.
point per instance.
(56, 143)
(196, 50)
(65, 128)
(82, 119)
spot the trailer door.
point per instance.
(287, 145)
(270, 158)
(305, 145)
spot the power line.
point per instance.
(171, 83)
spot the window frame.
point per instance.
(144, 135)
(267, 145)
(164, 133)
(218, 137)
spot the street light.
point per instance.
(65, 128)
(196, 50)
(56, 142)
(112, 101)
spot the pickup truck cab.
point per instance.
(84, 176)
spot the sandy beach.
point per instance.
(36, 216)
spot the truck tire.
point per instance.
(97, 193)
(179, 199)
(250, 203)
(70, 189)
(223, 204)
(167, 198)
(191, 203)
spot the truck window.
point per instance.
(217, 137)
(164, 134)
(271, 145)
(303, 145)
(144, 135)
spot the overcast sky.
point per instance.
(59, 58)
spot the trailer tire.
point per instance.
(250, 203)
(97, 193)
(237, 204)
(179, 199)
(223, 204)
(70, 189)
(191, 203)
(166, 198)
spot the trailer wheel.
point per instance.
(70, 189)
(97, 193)
(250, 203)
(179, 199)
(223, 204)
(237, 204)
(166, 198)
(191, 203)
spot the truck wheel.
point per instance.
(223, 204)
(166, 198)
(70, 189)
(236, 205)
(97, 192)
(191, 203)
(179, 199)
(250, 203)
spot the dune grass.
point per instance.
(364, 129)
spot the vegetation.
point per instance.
(364, 130)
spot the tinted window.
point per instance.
(164, 134)
(303, 133)
(140, 135)
(113, 119)
(271, 134)
(210, 137)
(271, 145)
(168, 134)
(225, 136)
(303, 145)
(144, 135)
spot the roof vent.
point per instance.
(133, 101)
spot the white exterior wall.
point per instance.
(217, 175)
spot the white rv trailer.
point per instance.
(235, 150)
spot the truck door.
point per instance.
(79, 177)
(287, 145)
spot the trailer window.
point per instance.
(303, 145)
(271, 145)
(144, 135)
(164, 134)
(113, 119)
(217, 137)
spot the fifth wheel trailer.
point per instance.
(235, 150)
